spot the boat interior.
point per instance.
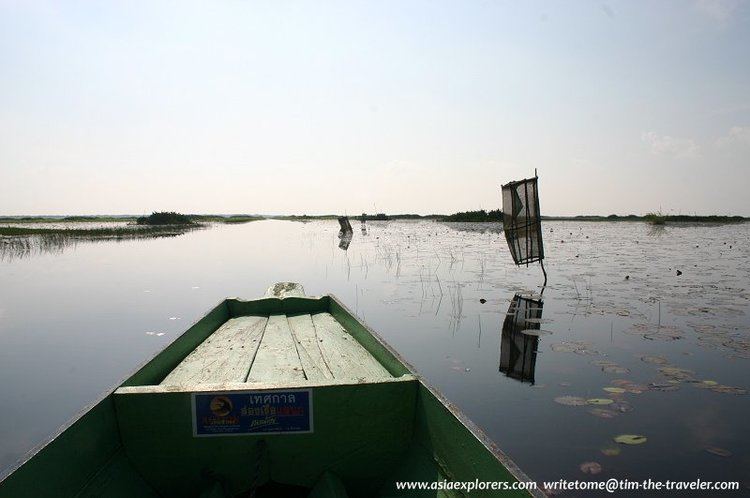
(278, 348)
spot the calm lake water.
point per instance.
(75, 321)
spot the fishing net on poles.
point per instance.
(522, 221)
(344, 224)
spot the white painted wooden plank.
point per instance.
(225, 356)
(277, 357)
(308, 348)
(346, 358)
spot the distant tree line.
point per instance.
(475, 216)
(377, 217)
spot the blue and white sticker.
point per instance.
(237, 413)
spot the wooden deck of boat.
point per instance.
(275, 349)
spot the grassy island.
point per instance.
(165, 218)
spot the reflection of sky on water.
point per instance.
(76, 321)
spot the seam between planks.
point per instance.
(317, 344)
(255, 353)
(296, 349)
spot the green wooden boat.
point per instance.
(286, 395)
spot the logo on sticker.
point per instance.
(267, 412)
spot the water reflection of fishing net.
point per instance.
(345, 239)
(345, 233)
(518, 343)
(522, 221)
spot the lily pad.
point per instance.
(663, 386)
(602, 413)
(702, 328)
(715, 450)
(614, 390)
(665, 334)
(653, 332)
(621, 406)
(610, 451)
(577, 347)
(705, 384)
(570, 400)
(600, 401)
(536, 332)
(654, 360)
(738, 391)
(620, 382)
(616, 369)
(677, 373)
(590, 468)
(630, 439)
(603, 363)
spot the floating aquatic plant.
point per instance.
(654, 360)
(577, 347)
(610, 451)
(663, 386)
(620, 382)
(738, 391)
(592, 468)
(570, 400)
(630, 439)
(600, 401)
(675, 373)
(603, 363)
(655, 331)
(705, 384)
(535, 332)
(616, 369)
(621, 406)
(715, 450)
(602, 413)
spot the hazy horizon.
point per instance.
(350, 107)
(316, 214)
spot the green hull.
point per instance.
(365, 434)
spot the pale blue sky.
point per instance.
(396, 106)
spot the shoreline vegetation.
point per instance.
(163, 215)
(154, 225)
(23, 236)
(172, 223)
(494, 216)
